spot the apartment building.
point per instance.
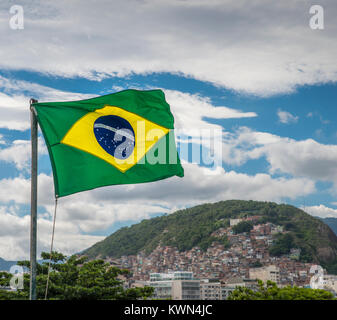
(178, 285)
(210, 290)
(270, 272)
(185, 290)
(325, 282)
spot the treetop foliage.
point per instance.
(76, 278)
(270, 291)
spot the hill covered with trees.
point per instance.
(193, 227)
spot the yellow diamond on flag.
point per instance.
(119, 137)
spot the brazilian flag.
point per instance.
(121, 138)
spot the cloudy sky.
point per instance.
(254, 69)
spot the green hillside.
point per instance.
(192, 227)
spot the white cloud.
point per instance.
(305, 158)
(259, 47)
(321, 211)
(16, 236)
(9, 188)
(190, 110)
(14, 101)
(286, 117)
(14, 112)
(199, 185)
(94, 216)
(19, 153)
(40, 92)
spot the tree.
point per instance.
(242, 226)
(76, 278)
(283, 245)
(256, 264)
(270, 291)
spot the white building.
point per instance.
(325, 282)
(185, 290)
(210, 290)
(271, 273)
(178, 285)
(234, 222)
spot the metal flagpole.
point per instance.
(33, 203)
